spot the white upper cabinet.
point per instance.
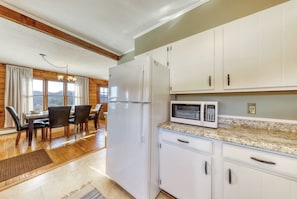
(255, 53)
(270, 48)
(192, 63)
(252, 51)
(241, 53)
(290, 43)
(161, 55)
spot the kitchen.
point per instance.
(233, 65)
(274, 100)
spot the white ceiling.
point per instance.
(109, 24)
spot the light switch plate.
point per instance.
(251, 109)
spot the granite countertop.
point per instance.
(273, 140)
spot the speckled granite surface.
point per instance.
(269, 139)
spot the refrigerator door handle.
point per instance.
(142, 126)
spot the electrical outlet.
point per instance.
(251, 109)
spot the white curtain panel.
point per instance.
(18, 92)
(81, 90)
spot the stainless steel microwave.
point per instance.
(201, 113)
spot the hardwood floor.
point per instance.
(61, 149)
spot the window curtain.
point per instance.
(81, 90)
(18, 92)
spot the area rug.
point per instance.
(88, 191)
(24, 163)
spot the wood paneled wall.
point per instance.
(42, 74)
(93, 93)
(2, 90)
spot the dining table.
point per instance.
(31, 116)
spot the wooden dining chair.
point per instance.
(81, 117)
(95, 116)
(23, 127)
(58, 117)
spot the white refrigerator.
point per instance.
(138, 102)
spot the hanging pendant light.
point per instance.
(69, 78)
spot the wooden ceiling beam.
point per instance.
(42, 27)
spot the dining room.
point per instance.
(47, 92)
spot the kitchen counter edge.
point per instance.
(272, 140)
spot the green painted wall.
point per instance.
(127, 57)
(276, 105)
(209, 15)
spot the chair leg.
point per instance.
(18, 138)
(95, 124)
(75, 130)
(46, 131)
(35, 133)
(50, 135)
(43, 134)
(81, 125)
(87, 127)
(67, 130)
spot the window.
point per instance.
(103, 94)
(70, 94)
(55, 93)
(48, 93)
(38, 94)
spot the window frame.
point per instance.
(104, 94)
(45, 91)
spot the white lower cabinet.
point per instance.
(185, 171)
(197, 168)
(242, 182)
(251, 174)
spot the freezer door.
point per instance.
(127, 156)
(128, 82)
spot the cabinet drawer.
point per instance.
(187, 141)
(261, 159)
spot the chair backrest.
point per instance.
(98, 109)
(15, 117)
(81, 113)
(58, 116)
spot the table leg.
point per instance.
(31, 128)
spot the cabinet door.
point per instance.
(240, 56)
(241, 182)
(185, 174)
(253, 51)
(192, 63)
(290, 43)
(161, 55)
(270, 57)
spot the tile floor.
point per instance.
(65, 181)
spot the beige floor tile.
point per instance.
(68, 179)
